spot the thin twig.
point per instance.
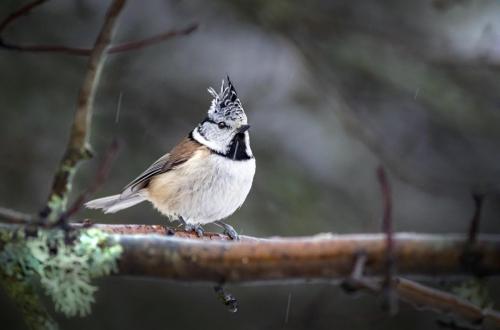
(444, 302)
(14, 217)
(476, 218)
(24, 10)
(356, 279)
(421, 296)
(388, 229)
(101, 176)
(120, 48)
(133, 45)
(78, 145)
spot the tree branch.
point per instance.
(78, 145)
(420, 296)
(124, 47)
(154, 251)
(161, 252)
(14, 217)
(388, 229)
(24, 10)
(120, 48)
(321, 257)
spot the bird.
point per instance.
(205, 178)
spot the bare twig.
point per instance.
(133, 45)
(425, 297)
(124, 47)
(421, 296)
(101, 175)
(24, 10)
(14, 217)
(78, 145)
(356, 280)
(388, 229)
(476, 218)
(120, 48)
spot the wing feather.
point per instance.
(178, 155)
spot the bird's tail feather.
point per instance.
(115, 203)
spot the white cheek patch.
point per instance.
(247, 143)
(210, 144)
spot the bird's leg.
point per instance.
(476, 218)
(198, 229)
(228, 230)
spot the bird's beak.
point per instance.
(243, 128)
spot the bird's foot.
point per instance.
(198, 229)
(168, 231)
(227, 298)
(229, 230)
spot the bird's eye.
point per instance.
(222, 125)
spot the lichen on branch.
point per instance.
(64, 269)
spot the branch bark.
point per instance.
(161, 252)
(78, 145)
(323, 257)
(213, 258)
(157, 251)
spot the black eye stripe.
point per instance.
(209, 121)
(221, 124)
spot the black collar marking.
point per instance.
(237, 150)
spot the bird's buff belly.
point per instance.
(204, 189)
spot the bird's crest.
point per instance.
(226, 105)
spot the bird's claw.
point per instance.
(198, 229)
(229, 230)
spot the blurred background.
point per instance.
(332, 89)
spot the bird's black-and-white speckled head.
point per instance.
(226, 106)
(226, 123)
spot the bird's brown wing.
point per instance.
(178, 155)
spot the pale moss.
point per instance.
(475, 291)
(65, 270)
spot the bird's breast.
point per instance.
(206, 188)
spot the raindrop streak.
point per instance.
(118, 107)
(416, 93)
(287, 314)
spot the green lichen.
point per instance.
(475, 291)
(56, 205)
(64, 270)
